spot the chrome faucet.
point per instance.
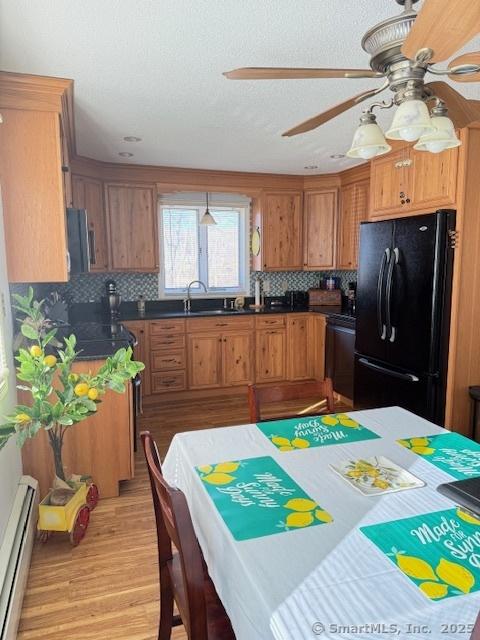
(187, 303)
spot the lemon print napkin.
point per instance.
(438, 552)
(317, 431)
(256, 497)
(451, 452)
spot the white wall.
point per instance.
(10, 460)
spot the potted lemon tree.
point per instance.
(60, 398)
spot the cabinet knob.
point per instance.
(407, 200)
(402, 201)
(402, 194)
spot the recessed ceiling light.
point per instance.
(337, 156)
(125, 154)
(132, 139)
(311, 166)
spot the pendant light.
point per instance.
(368, 140)
(443, 136)
(207, 217)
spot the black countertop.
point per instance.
(99, 337)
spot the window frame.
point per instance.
(202, 230)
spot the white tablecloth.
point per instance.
(286, 586)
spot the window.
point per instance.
(215, 254)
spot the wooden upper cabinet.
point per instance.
(88, 194)
(354, 203)
(412, 182)
(390, 183)
(320, 224)
(299, 346)
(33, 196)
(282, 230)
(132, 225)
(434, 179)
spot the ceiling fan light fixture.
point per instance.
(368, 140)
(443, 136)
(410, 122)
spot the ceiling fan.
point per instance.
(403, 50)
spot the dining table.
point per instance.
(329, 581)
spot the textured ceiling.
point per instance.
(152, 68)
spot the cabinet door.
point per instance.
(132, 227)
(238, 349)
(390, 179)
(88, 194)
(353, 210)
(320, 224)
(434, 179)
(204, 361)
(33, 196)
(270, 355)
(282, 231)
(299, 347)
(141, 351)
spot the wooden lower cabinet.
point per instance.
(270, 355)
(299, 346)
(204, 354)
(237, 360)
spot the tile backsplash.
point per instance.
(91, 287)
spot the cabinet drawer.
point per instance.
(195, 325)
(169, 381)
(167, 341)
(267, 322)
(166, 360)
(161, 327)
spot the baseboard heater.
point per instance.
(15, 553)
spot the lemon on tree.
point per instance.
(35, 351)
(50, 361)
(81, 389)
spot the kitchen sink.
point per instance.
(213, 312)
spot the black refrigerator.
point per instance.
(403, 313)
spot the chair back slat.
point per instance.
(174, 525)
(318, 391)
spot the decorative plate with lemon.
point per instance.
(376, 475)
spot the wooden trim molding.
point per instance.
(40, 93)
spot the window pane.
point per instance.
(180, 247)
(223, 250)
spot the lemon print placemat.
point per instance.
(256, 497)
(439, 552)
(451, 452)
(317, 431)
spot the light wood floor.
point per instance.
(107, 587)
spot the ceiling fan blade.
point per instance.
(462, 111)
(316, 121)
(472, 58)
(285, 73)
(443, 26)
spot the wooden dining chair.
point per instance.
(183, 574)
(317, 391)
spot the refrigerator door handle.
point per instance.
(391, 331)
(409, 377)
(382, 329)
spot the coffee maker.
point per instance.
(112, 299)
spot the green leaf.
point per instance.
(29, 332)
(65, 420)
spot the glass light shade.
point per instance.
(411, 120)
(368, 142)
(207, 218)
(443, 136)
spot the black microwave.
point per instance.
(78, 248)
